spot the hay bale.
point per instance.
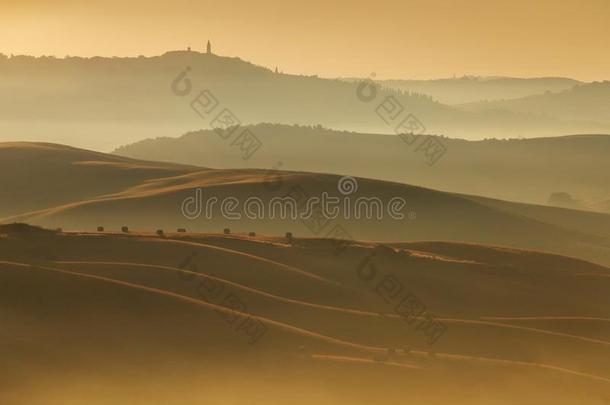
(100, 229)
(226, 231)
(181, 230)
(125, 229)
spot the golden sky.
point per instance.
(395, 39)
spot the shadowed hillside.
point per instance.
(527, 170)
(39, 175)
(158, 202)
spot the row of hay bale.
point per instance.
(160, 232)
(125, 229)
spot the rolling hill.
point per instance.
(157, 201)
(210, 318)
(525, 170)
(40, 175)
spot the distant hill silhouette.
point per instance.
(470, 89)
(519, 170)
(103, 102)
(590, 102)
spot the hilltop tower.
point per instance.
(209, 48)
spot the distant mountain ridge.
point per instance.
(101, 103)
(588, 101)
(469, 89)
